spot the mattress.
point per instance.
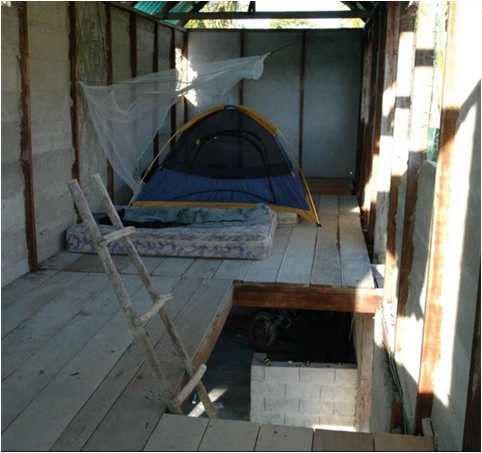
(249, 239)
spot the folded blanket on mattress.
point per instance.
(245, 233)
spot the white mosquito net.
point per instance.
(127, 115)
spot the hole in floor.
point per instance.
(285, 367)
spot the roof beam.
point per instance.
(197, 7)
(268, 15)
(166, 8)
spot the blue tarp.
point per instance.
(170, 185)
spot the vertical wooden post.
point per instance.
(185, 53)
(133, 43)
(26, 157)
(440, 241)
(108, 45)
(242, 40)
(74, 77)
(422, 86)
(172, 58)
(383, 150)
(155, 68)
(302, 97)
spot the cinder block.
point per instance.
(317, 375)
(316, 407)
(307, 421)
(336, 393)
(282, 405)
(283, 373)
(267, 417)
(346, 376)
(265, 389)
(345, 409)
(257, 373)
(303, 391)
(337, 421)
(257, 404)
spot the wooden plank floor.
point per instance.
(72, 378)
(180, 433)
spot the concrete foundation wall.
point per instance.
(14, 247)
(285, 393)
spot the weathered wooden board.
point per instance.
(348, 205)
(26, 306)
(92, 263)
(21, 343)
(326, 263)
(298, 259)
(135, 414)
(24, 285)
(267, 270)
(33, 375)
(328, 440)
(233, 269)
(98, 405)
(177, 433)
(402, 442)
(229, 435)
(55, 406)
(284, 438)
(355, 263)
(203, 268)
(173, 266)
(327, 206)
(60, 261)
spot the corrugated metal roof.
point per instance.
(154, 8)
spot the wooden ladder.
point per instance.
(137, 322)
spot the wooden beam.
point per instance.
(440, 240)
(311, 297)
(166, 8)
(133, 43)
(197, 7)
(108, 45)
(172, 61)
(74, 77)
(155, 68)
(302, 98)
(332, 186)
(267, 15)
(422, 86)
(242, 42)
(26, 157)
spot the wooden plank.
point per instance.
(402, 442)
(60, 261)
(133, 43)
(133, 417)
(330, 186)
(24, 384)
(28, 338)
(125, 370)
(23, 286)
(327, 206)
(284, 438)
(109, 80)
(177, 433)
(203, 268)
(327, 264)
(301, 119)
(355, 263)
(287, 296)
(233, 269)
(229, 435)
(26, 138)
(183, 17)
(26, 306)
(443, 209)
(267, 270)
(52, 410)
(173, 266)
(348, 205)
(93, 264)
(298, 259)
(324, 440)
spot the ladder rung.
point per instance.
(142, 319)
(191, 385)
(117, 234)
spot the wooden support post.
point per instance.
(26, 157)
(242, 42)
(108, 45)
(172, 61)
(133, 43)
(155, 68)
(185, 54)
(422, 86)
(74, 76)
(384, 142)
(401, 130)
(302, 97)
(440, 240)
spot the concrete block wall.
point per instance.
(14, 246)
(286, 393)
